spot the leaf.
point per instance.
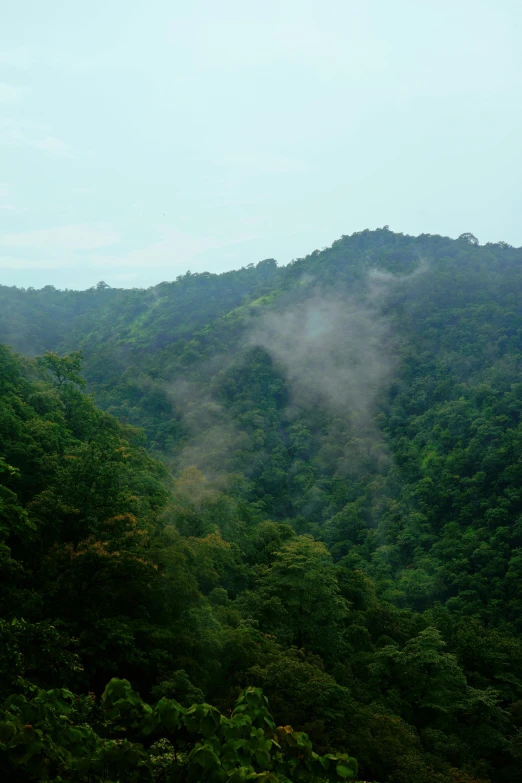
(204, 756)
(347, 770)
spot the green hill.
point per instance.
(306, 479)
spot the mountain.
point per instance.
(306, 479)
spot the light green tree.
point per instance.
(298, 597)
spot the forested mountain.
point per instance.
(303, 479)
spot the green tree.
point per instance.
(64, 369)
(298, 598)
(49, 736)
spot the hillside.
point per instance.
(312, 476)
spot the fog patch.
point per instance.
(211, 440)
(335, 351)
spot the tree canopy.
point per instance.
(292, 493)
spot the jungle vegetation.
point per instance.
(267, 525)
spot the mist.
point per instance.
(336, 351)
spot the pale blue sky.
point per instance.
(142, 139)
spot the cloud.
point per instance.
(13, 131)
(272, 164)
(99, 246)
(334, 350)
(174, 247)
(76, 238)
(61, 247)
(5, 199)
(53, 145)
(254, 37)
(213, 436)
(10, 93)
(16, 58)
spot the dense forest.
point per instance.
(267, 525)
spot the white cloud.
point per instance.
(5, 199)
(254, 165)
(174, 248)
(257, 38)
(16, 58)
(12, 131)
(101, 247)
(14, 262)
(10, 93)
(53, 145)
(75, 238)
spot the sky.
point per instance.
(142, 140)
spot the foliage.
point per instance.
(50, 736)
(303, 479)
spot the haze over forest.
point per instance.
(297, 483)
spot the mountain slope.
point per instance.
(347, 427)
